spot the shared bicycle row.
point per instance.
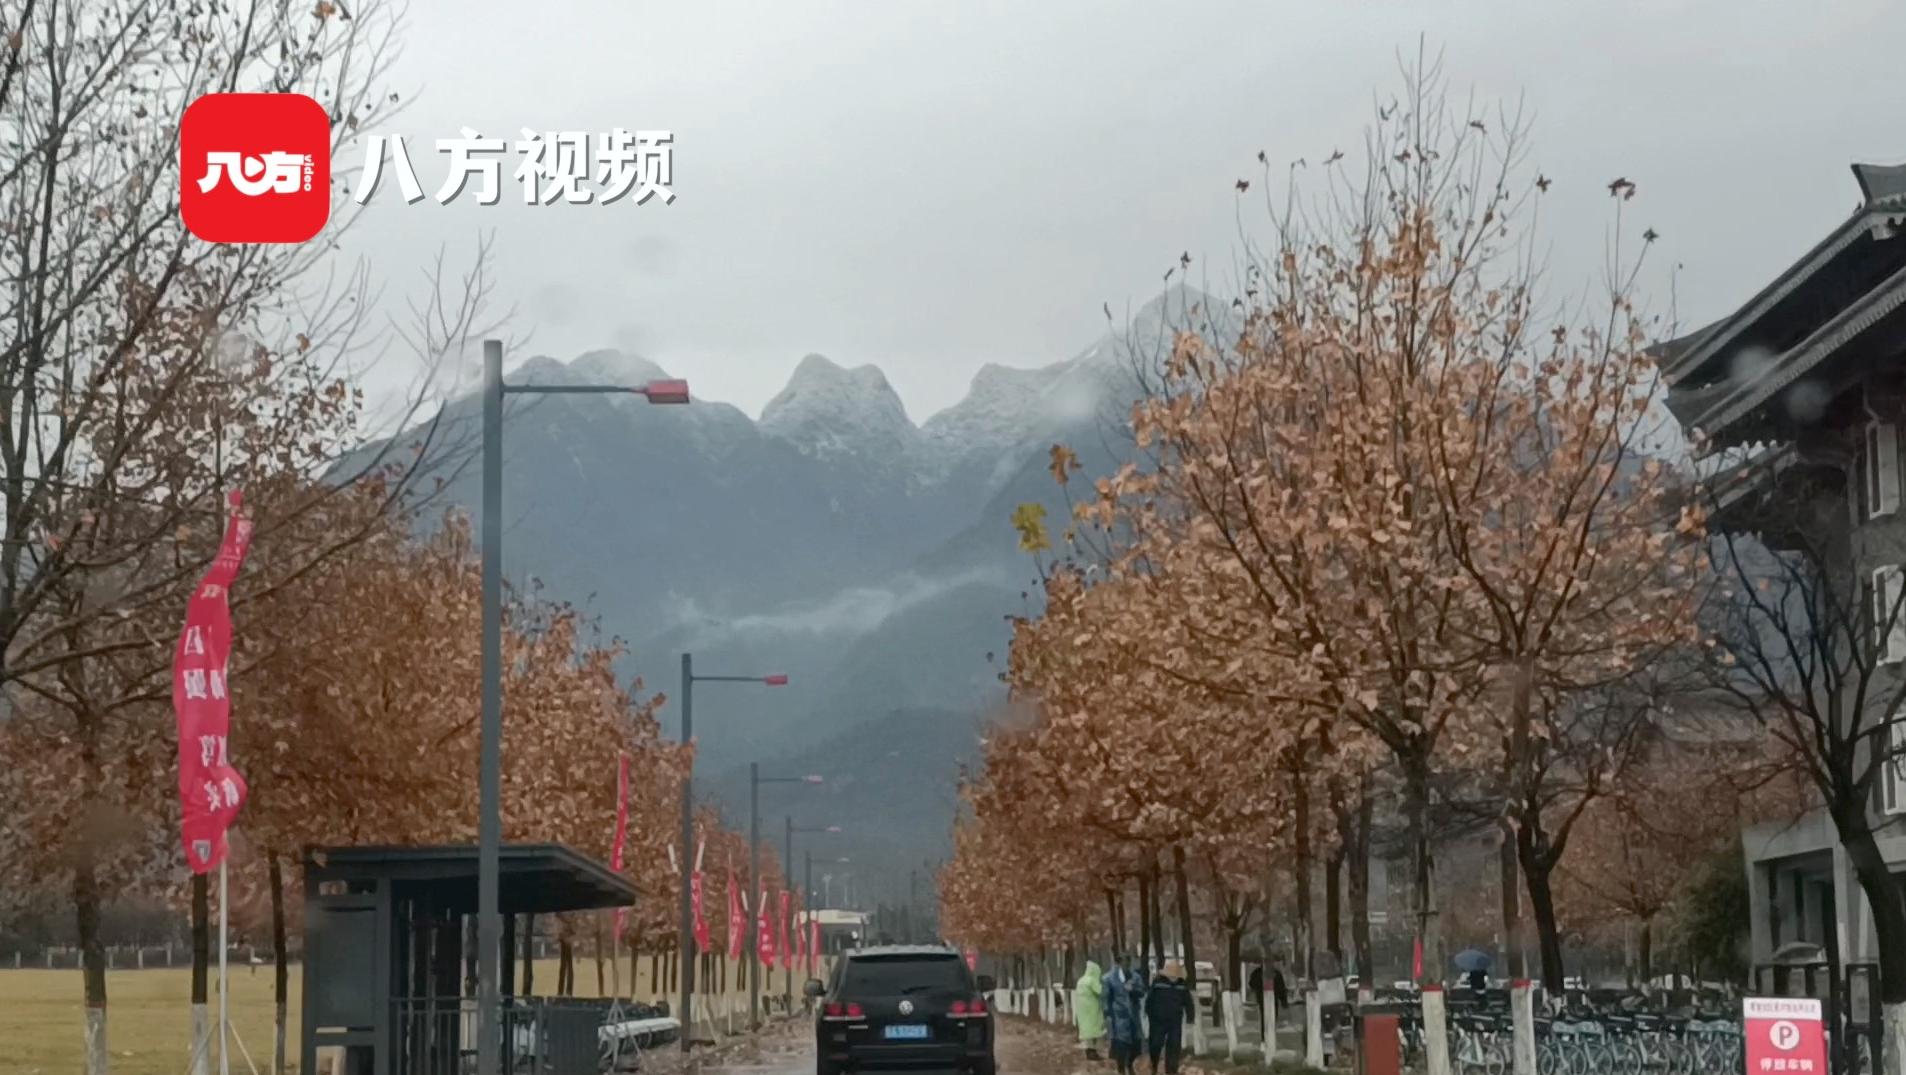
(1631, 1033)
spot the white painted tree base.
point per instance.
(201, 1040)
(1893, 1060)
(98, 1057)
(1233, 1006)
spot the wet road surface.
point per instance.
(788, 1049)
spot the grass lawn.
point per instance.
(149, 1016)
(148, 1020)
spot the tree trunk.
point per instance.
(201, 964)
(1333, 905)
(1234, 952)
(1112, 922)
(1184, 921)
(565, 968)
(1515, 957)
(1536, 875)
(1144, 917)
(529, 955)
(469, 955)
(1302, 865)
(1359, 858)
(1158, 910)
(1646, 953)
(1883, 896)
(281, 966)
(1416, 804)
(600, 974)
(92, 954)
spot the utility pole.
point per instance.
(489, 755)
(754, 893)
(685, 938)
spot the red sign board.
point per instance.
(1784, 1034)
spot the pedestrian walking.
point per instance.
(1279, 990)
(1166, 1003)
(1124, 998)
(1088, 1006)
(1257, 986)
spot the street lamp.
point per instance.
(685, 938)
(489, 752)
(755, 780)
(807, 887)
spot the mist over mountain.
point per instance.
(870, 558)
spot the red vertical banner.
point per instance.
(702, 941)
(787, 912)
(737, 919)
(764, 931)
(799, 954)
(1416, 961)
(210, 790)
(621, 831)
(814, 938)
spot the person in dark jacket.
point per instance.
(1165, 1008)
(1279, 991)
(1257, 987)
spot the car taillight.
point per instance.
(962, 1008)
(978, 1007)
(853, 1010)
(959, 1007)
(835, 1010)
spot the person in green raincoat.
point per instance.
(1088, 1004)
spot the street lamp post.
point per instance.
(489, 751)
(755, 780)
(685, 938)
(787, 863)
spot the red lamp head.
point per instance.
(673, 391)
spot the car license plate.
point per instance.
(907, 1032)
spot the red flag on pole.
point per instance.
(764, 931)
(621, 831)
(210, 790)
(1416, 960)
(787, 912)
(702, 941)
(737, 920)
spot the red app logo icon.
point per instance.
(255, 167)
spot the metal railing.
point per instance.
(541, 1036)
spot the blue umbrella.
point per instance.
(1470, 960)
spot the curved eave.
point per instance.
(1699, 350)
(1717, 409)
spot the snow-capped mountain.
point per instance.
(829, 413)
(870, 559)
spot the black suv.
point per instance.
(903, 1008)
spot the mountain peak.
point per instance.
(827, 410)
(617, 367)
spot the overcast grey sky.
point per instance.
(933, 186)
